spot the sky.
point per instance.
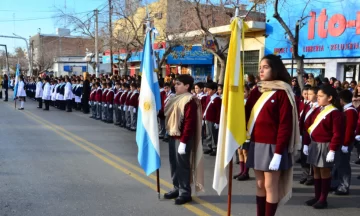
(41, 12)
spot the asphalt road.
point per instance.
(58, 163)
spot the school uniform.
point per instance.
(180, 163)
(325, 133)
(202, 97)
(104, 105)
(133, 106)
(307, 177)
(52, 86)
(62, 101)
(275, 113)
(122, 99)
(68, 96)
(110, 102)
(92, 103)
(39, 93)
(78, 96)
(74, 88)
(341, 172)
(117, 106)
(47, 95)
(127, 110)
(211, 117)
(98, 101)
(357, 141)
(53, 95)
(161, 115)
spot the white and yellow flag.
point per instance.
(232, 131)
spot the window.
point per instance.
(251, 62)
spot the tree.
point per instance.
(216, 13)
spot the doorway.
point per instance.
(350, 72)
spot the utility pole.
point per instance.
(96, 12)
(110, 32)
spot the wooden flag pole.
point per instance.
(158, 182)
(230, 187)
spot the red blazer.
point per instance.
(134, 100)
(98, 96)
(214, 110)
(330, 129)
(163, 96)
(351, 116)
(306, 109)
(103, 98)
(123, 98)
(188, 126)
(306, 140)
(117, 97)
(250, 102)
(274, 122)
(92, 95)
(110, 97)
(127, 101)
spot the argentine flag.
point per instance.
(147, 134)
(17, 79)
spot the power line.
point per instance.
(41, 18)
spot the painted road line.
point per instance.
(124, 162)
(140, 179)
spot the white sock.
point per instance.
(22, 104)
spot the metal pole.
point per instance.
(110, 31)
(96, 42)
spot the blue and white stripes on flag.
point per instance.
(147, 132)
(17, 77)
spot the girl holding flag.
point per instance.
(273, 130)
(326, 134)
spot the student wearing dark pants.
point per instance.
(68, 95)
(6, 86)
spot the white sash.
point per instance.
(123, 95)
(310, 111)
(210, 102)
(251, 123)
(134, 93)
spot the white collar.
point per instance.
(314, 104)
(347, 106)
(214, 96)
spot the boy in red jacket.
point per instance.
(133, 105)
(92, 101)
(110, 102)
(98, 100)
(211, 115)
(341, 172)
(117, 103)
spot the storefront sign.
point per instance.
(135, 57)
(190, 56)
(329, 30)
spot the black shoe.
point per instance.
(320, 205)
(171, 195)
(243, 177)
(20, 108)
(303, 180)
(332, 189)
(309, 182)
(213, 153)
(298, 161)
(358, 177)
(311, 202)
(161, 137)
(208, 151)
(357, 161)
(117, 124)
(39, 107)
(68, 110)
(46, 109)
(341, 193)
(182, 200)
(236, 176)
(5, 100)
(166, 139)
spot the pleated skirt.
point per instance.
(317, 155)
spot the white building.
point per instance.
(71, 65)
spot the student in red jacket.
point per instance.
(98, 100)
(104, 102)
(133, 105)
(341, 172)
(211, 116)
(304, 124)
(92, 101)
(123, 107)
(110, 102)
(117, 109)
(327, 135)
(272, 127)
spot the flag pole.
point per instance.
(148, 25)
(231, 162)
(230, 187)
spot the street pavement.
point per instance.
(58, 163)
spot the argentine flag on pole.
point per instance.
(17, 77)
(147, 134)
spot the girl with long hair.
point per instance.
(273, 130)
(322, 139)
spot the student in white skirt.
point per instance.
(21, 94)
(322, 139)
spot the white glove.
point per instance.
(110, 106)
(300, 139)
(181, 149)
(330, 156)
(105, 105)
(357, 137)
(119, 107)
(90, 103)
(134, 110)
(124, 108)
(95, 103)
(203, 122)
(345, 149)
(306, 150)
(275, 162)
(216, 126)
